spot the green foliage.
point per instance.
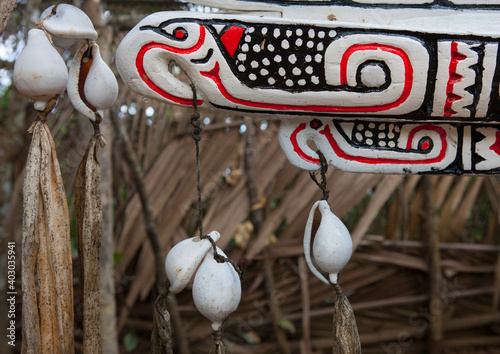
(63, 128)
(117, 258)
(123, 193)
(287, 325)
(5, 99)
(130, 341)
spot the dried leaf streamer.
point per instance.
(345, 330)
(161, 337)
(88, 213)
(219, 347)
(47, 317)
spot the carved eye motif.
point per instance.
(316, 124)
(372, 74)
(180, 33)
(425, 144)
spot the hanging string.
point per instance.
(197, 129)
(323, 169)
(39, 24)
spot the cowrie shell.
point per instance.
(68, 25)
(332, 246)
(92, 86)
(40, 73)
(184, 259)
(216, 289)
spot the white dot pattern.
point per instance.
(379, 135)
(277, 56)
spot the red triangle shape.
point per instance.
(231, 38)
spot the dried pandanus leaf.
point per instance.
(345, 330)
(219, 347)
(48, 318)
(161, 338)
(88, 214)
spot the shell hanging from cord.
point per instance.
(40, 73)
(216, 289)
(216, 285)
(92, 86)
(68, 25)
(184, 259)
(332, 245)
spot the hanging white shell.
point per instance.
(101, 87)
(184, 259)
(40, 73)
(332, 246)
(92, 86)
(68, 25)
(216, 289)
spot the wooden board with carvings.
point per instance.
(379, 86)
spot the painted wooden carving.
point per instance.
(377, 85)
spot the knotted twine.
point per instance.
(197, 129)
(345, 331)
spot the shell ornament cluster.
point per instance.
(41, 74)
(216, 285)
